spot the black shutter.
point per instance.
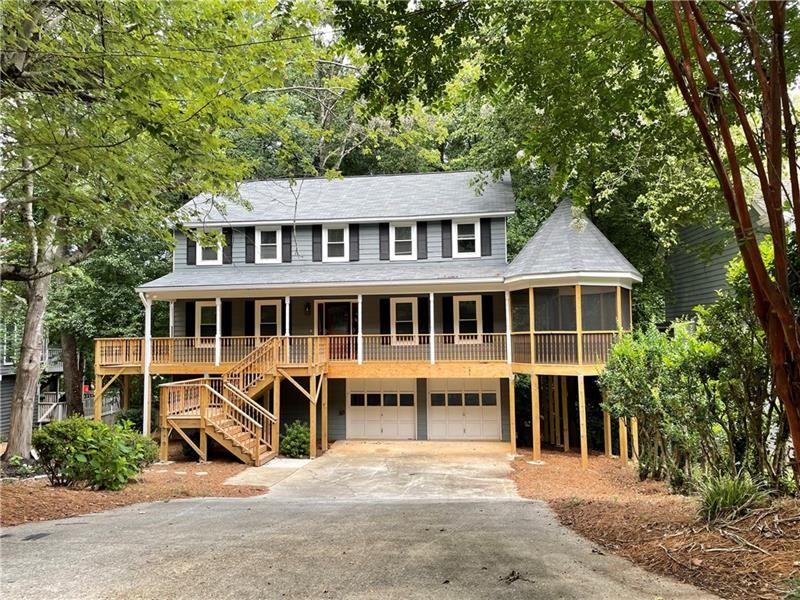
(447, 314)
(383, 234)
(249, 317)
(227, 318)
(486, 237)
(487, 308)
(354, 233)
(191, 251)
(447, 239)
(286, 243)
(422, 240)
(424, 315)
(250, 244)
(227, 249)
(385, 316)
(316, 243)
(189, 320)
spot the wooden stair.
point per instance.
(238, 441)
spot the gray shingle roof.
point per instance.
(289, 275)
(561, 246)
(378, 197)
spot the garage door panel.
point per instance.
(389, 411)
(464, 410)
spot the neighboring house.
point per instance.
(380, 306)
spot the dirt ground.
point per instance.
(35, 500)
(755, 557)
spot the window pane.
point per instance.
(554, 309)
(390, 399)
(356, 399)
(472, 399)
(208, 315)
(437, 399)
(404, 328)
(269, 312)
(336, 250)
(404, 311)
(467, 326)
(599, 308)
(465, 246)
(453, 399)
(406, 399)
(468, 309)
(268, 329)
(335, 235)
(269, 252)
(269, 237)
(466, 230)
(402, 233)
(208, 330)
(402, 248)
(373, 399)
(626, 307)
(209, 254)
(489, 399)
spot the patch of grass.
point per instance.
(794, 589)
(573, 502)
(726, 497)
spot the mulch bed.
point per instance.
(754, 557)
(30, 500)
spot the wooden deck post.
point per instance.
(582, 418)
(606, 433)
(203, 416)
(535, 423)
(276, 410)
(512, 414)
(324, 413)
(98, 397)
(147, 389)
(559, 427)
(555, 426)
(126, 392)
(312, 417)
(564, 414)
(635, 437)
(164, 431)
(623, 441)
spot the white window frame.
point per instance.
(198, 311)
(199, 250)
(476, 223)
(346, 257)
(278, 304)
(404, 339)
(468, 338)
(392, 239)
(278, 246)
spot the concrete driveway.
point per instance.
(367, 520)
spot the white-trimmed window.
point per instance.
(335, 243)
(209, 255)
(403, 241)
(466, 239)
(405, 329)
(268, 244)
(205, 321)
(467, 319)
(268, 318)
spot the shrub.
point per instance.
(725, 496)
(295, 442)
(79, 452)
(134, 415)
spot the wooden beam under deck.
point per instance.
(419, 370)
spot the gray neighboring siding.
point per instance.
(505, 427)
(337, 419)
(422, 409)
(6, 393)
(180, 320)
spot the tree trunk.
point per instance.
(73, 376)
(29, 368)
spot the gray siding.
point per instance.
(337, 419)
(422, 409)
(6, 393)
(505, 427)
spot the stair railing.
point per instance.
(254, 367)
(258, 432)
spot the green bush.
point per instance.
(134, 415)
(295, 442)
(725, 496)
(79, 452)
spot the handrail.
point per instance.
(186, 382)
(260, 409)
(225, 400)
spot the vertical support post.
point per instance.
(324, 414)
(535, 422)
(172, 318)
(619, 308)
(218, 333)
(98, 397)
(512, 414)
(555, 432)
(276, 410)
(431, 327)
(557, 407)
(312, 417)
(147, 395)
(582, 418)
(623, 441)
(532, 326)
(635, 437)
(360, 340)
(203, 413)
(508, 327)
(579, 322)
(564, 414)
(286, 322)
(164, 430)
(126, 392)
(607, 434)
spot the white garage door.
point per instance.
(464, 409)
(382, 409)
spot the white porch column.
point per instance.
(172, 318)
(431, 322)
(147, 395)
(360, 341)
(508, 327)
(286, 329)
(218, 334)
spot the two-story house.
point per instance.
(378, 307)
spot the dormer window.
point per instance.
(268, 243)
(403, 241)
(209, 255)
(335, 243)
(466, 239)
